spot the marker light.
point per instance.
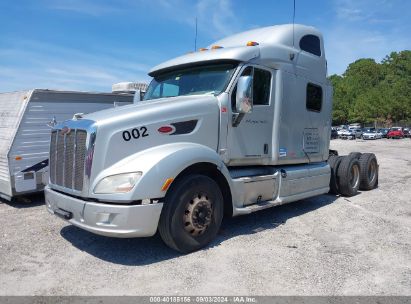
(119, 183)
(18, 158)
(203, 49)
(167, 184)
(252, 43)
(165, 129)
(215, 47)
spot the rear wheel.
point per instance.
(192, 213)
(348, 174)
(334, 161)
(368, 171)
(356, 155)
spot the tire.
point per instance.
(192, 195)
(356, 155)
(334, 162)
(368, 171)
(348, 175)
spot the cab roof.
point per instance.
(273, 46)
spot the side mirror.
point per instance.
(137, 96)
(244, 97)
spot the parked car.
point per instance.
(357, 131)
(406, 132)
(348, 134)
(384, 132)
(340, 131)
(334, 133)
(395, 132)
(372, 134)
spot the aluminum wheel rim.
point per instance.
(355, 176)
(372, 171)
(197, 214)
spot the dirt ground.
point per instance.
(325, 245)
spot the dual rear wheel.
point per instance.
(353, 172)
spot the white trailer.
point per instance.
(26, 118)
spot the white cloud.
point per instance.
(55, 67)
(363, 29)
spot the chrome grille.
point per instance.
(67, 158)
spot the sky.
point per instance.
(88, 45)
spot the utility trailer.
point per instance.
(238, 127)
(25, 124)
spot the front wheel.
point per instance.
(192, 213)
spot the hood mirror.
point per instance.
(137, 96)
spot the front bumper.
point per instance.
(121, 221)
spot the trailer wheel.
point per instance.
(334, 162)
(192, 213)
(356, 155)
(368, 171)
(348, 174)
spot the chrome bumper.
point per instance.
(121, 221)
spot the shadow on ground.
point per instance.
(27, 201)
(143, 251)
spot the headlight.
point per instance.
(119, 183)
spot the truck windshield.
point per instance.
(210, 79)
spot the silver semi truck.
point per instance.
(238, 127)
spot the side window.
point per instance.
(311, 44)
(170, 90)
(314, 97)
(261, 87)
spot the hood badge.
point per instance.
(65, 131)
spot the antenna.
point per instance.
(195, 39)
(293, 21)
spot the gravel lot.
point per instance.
(326, 245)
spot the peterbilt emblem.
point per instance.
(65, 131)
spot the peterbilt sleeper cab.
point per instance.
(241, 126)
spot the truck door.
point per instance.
(251, 141)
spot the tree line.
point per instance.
(374, 93)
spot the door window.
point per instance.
(261, 86)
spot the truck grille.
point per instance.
(67, 158)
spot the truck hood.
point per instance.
(127, 130)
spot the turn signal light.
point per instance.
(252, 43)
(215, 47)
(18, 158)
(203, 49)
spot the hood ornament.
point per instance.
(52, 122)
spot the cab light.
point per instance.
(215, 47)
(203, 49)
(167, 184)
(252, 43)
